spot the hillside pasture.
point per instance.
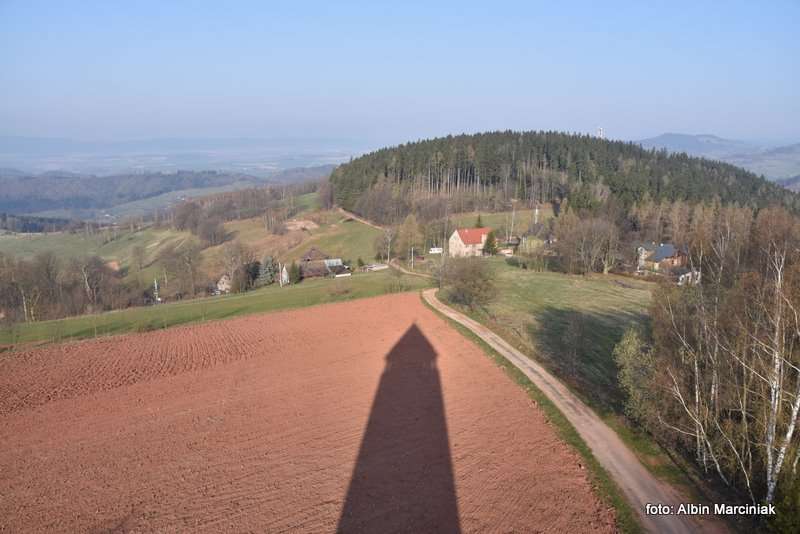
(339, 237)
(523, 218)
(570, 323)
(307, 293)
(110, 244)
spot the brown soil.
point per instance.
(367, 416)
(295, 224)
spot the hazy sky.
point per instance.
(406, 70)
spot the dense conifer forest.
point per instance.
(547, 166)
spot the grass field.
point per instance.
(109, 245)
(307, 202)
(307, 293)
(604, 485)
(346, 239)
(502, 219)
(571, 325)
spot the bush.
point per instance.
(397, 284)
(469, 282)
(787, 508)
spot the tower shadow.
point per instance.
(403, 479)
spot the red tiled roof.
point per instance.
(472, 236)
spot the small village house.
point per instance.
(467, 242)
(316, 263)
(660, 258)
(224, 285)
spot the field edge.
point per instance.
(607, 490)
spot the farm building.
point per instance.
(224, 285)
(468, 242)
(659, 258)
(314, 254)
(316, 263)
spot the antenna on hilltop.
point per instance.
(600, 133)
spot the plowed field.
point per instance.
(368, 416)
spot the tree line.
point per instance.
(717, 376)
(540, 167)
(48, 287)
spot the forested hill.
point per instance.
(81, 196)
(543, 166)
(28, 194)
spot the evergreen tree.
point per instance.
(268, 272)
(294, 274)
(490, 247)
(479, 222)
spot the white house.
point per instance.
(468, 242)
(224, 284)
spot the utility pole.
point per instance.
(445, 243)
(513, 215)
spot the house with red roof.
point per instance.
(468, 242)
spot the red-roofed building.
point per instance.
(468, 242)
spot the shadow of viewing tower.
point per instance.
(403, 479)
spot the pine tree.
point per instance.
(268, 272)
(479, 222)
(294, 274)
(490, 247)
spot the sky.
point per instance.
(384, 74)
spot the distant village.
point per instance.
(662, 260)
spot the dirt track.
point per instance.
(640, 487)
(372, 415)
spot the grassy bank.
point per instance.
(605, 487)
(307, 293)
(570, 324)
(340, 238)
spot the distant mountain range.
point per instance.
(775, 163)
(792, 184)
(256, 157)
(704, 145)
(74, 196)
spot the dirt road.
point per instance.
(637, 483)
(359, 219)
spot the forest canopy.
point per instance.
(546, 166)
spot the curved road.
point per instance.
(637, 483)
